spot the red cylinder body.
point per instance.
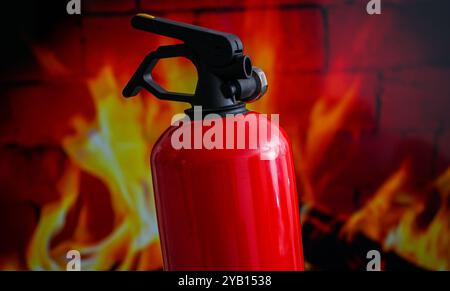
(227, 209)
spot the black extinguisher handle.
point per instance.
(142, 78)
(216, 48)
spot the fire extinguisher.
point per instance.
(222, 208)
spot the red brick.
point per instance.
(341, 168)
(187, 17)
(352, 169)
(30, 174)
(58, 54)
(407, 2)
(42, 113)
(416, 100)
(349, 171)
(401, 36)
(66, 45)
(165, 5)
(17, 223)
(161, 5)
(418, 149)
(108, 6)
(444, 148)
(287, 40)
(294, 96)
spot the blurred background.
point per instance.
(364, 98)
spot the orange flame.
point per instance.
(392, 217)
(114, 148)
(428, 247)
(52, 221)
(325, 121)
(379, 214)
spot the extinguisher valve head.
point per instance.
(226, 76)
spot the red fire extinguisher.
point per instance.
(225, 208)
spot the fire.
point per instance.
(115, 148)
(429, 246)
(52, 221)
(392, 218)
(325, 121)
(380, 213)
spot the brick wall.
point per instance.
(400, 59)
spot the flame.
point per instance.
(114, 148)
(52, 221)
(393, 215)
(325, 121)
(375, 218)
(429, 247)
(392, 218)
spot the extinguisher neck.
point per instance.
(209, 91)
(199, 112)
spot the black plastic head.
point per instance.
(218, 57)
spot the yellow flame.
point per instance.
(114, 148)
(325, 121)
(392, 214)
(374, 218)
(430, 247)
(52, 221)
(391, 218)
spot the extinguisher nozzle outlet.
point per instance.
(226, 75)
(240, 68)
(248, 90)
